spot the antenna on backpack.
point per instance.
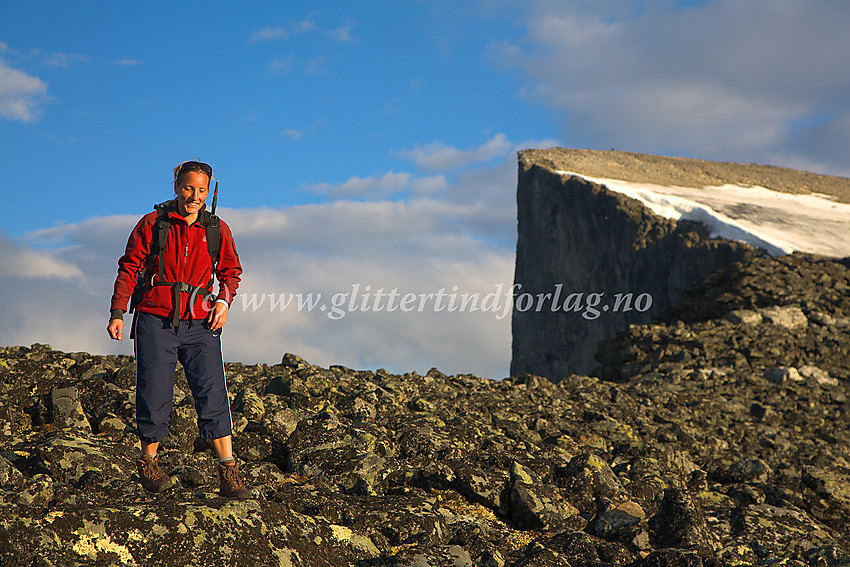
(215, 197)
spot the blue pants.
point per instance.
(158, 347)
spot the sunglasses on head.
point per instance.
(194, 166)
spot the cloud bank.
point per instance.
(446, 248)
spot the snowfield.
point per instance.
(779, 223)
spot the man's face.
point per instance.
(192, 189)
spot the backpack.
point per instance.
(146, 279)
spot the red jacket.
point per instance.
(186, 259)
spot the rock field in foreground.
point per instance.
(717, 436)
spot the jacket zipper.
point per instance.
(182, 264)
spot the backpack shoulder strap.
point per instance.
(212, 224)
(159, 236)
(160, 232)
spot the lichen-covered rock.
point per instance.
(773, 532)
(67, 457)
(238, 533)
(588, 478)
(538, 506)
(249, 404)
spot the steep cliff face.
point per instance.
(590, 262)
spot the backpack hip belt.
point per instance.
(182, 287)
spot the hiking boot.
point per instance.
(230, 481)
(152, 477)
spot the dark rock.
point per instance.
(10, 476)
(433, 556)
(680, 522)
(615, 519)
(588, 478)
(677, 558)
(538, 506)
(751, 470)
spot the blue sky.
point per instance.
(371, 143)
(278, 98)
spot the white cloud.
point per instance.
(343, 33)
(281, 64)
(438, 156)
(25, 263)
(128, 62)
(273, 33)
(427, 186)
(721, 80)
(316, 66)
(63, 59)
(365, 187)
(293, 134)
(21, 95)
(269, 34)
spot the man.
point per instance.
(178, 318)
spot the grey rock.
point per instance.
(610, 522)
(782, 375)
(10, 476)
(818, 376)
(68, 411)
(744, 317)
(790, 317)
(752, 470)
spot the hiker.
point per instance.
(168, 268)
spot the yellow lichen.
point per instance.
(361, 542)
(521, 539)
(53, 515)
(91, 543)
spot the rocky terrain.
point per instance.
(717, 435)
(587, 239)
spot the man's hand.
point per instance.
(218, 316)
(116, 329)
